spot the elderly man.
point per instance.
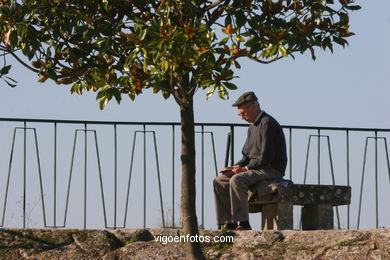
(264, 158)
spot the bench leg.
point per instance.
(316, 217)
(277, 216)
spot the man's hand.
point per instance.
(227, 171)
(230, 171)
(238, 169)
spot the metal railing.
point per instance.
(114, 156)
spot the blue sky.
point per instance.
(349, 88)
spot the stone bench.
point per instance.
(276, 200)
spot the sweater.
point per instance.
(265, 146)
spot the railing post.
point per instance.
(101, 180)
(348, 177)
(129, 181)
(232, 145)
(202, 187)
(214, 154)
(55, 176)
(115, 174)
(362, 181)
(290, 152)
(24, 172)
(228, 141)
(319, 157)
(85, 174)
(307, 159)
(173, 175)
(70, 177)
(376, 180)
(8, 177)
(144, 143)
(158, 177)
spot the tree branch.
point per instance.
(216, 3)
(22, 62)
(263, 61)
(178, 97)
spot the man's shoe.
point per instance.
(239, 227)
(230, 226)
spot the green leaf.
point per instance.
(206, 83)
(313, 56)
(101, 94)
(340, 41)
(11, 79)
(223, 41)
(229, 85)
(164, 65)
(75, 87)
(238, 38)
(220, 51)
(282, 51)
(344, 19)
(165, 94)
(117, 96)
(106, 29)
(247, 34)
(273, 50)
(155, 43)
(143, 35)
(100, 83)
(132, 95)
(255, 48)
(228, 20)
(240, 19)
(5, 70)
(252, 40)
(52, 74)
(103, 103)
(9, 83)
(210, 92)
(222, 92)
(353, 7)
(13, 38)
(145, 65)
(269, 51)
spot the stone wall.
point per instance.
(141, 244)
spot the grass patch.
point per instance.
(224, 245)
(82, 235)
(301, 248)
(221, 246)
(279, 240)
(351, 241)
(131, 240)
(140, 235)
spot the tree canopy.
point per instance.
(119, 47)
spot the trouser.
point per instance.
(231, 193)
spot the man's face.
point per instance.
(248, 112)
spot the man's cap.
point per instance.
(244, 98)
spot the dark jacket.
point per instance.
(265, 145)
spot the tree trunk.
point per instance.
(188, 192)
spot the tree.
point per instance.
(172, 47)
